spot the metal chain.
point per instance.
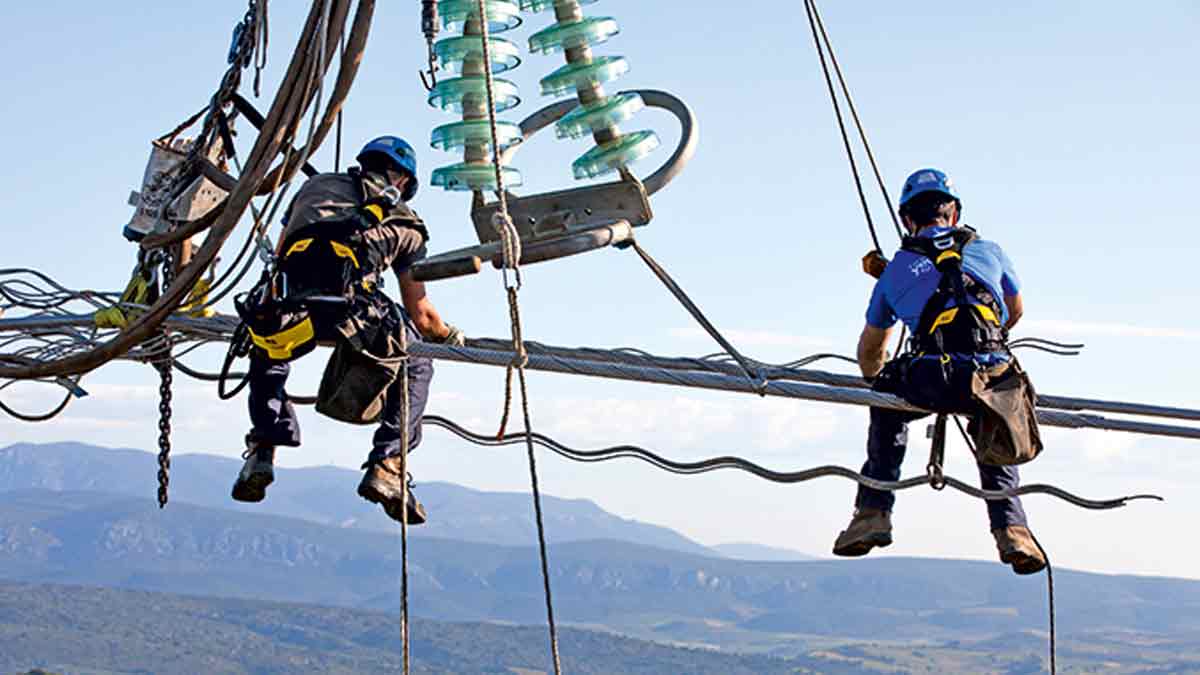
(164, 431)
(166, 379)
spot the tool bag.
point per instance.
(1000, 401)
(367, 359)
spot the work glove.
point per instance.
(455, 338)
(873, 263)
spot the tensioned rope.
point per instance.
(837, 111)
(818, 25)
(511, 250)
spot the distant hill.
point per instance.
(71, 630)
(750, 551)
(324, 495)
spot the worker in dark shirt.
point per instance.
(386, 178)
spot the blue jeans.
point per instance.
(887, 441)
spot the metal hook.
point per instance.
(429, 77)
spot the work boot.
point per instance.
(1017, 548)
(383, 484)
(257, 473)
(867, 529)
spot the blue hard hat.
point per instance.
(928, 180)
(401, 155)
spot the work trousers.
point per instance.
(273, 417)
(887, 441)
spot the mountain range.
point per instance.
(102, 538)
(326, 495)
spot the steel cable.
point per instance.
(787, 478)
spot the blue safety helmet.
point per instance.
(401, 155)
(928, 180)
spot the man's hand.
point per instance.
(454, 337)
(873, 263)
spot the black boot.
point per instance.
(257, 473)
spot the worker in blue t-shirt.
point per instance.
(911, 290)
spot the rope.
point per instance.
(1050, 594)
(862, 134)
(837, 110)
(1049, 568)
(405, 443)
(511, 250)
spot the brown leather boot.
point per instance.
(867, 529)
(383, 484)
(1016, 547)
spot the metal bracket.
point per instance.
(566, 222)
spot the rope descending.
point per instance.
(511, 249)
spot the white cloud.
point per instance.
(1084, 329)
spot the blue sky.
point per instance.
(1069, 127)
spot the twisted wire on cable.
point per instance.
(786, 478)
(511, 250)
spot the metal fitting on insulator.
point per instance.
(429, 19)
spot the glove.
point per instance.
(455, 338)
(873, 263)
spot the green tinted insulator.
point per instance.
(503, 15)
(474, 132)
(449, 94)
(463, 177)
(610, 112)
(609, 157)
(452, 52)
(590, 31)
(543, 5)
(574, 76)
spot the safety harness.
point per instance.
(972, 325)
(323, 270)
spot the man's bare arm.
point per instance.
(1016, 309)
(872, 349)
(429, 323)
